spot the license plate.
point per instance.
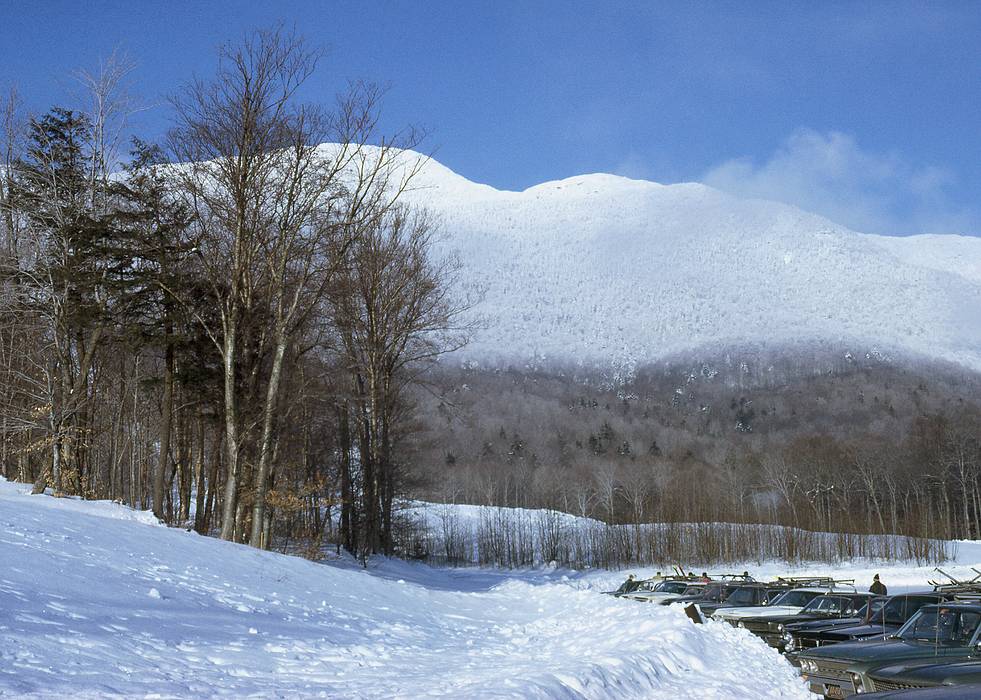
(834, 691)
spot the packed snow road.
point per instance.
(97, 600)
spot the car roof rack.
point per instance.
(816, 581)
(956, 586)
(733, 577)
(681, 575)
(968, 597)
(678, 575)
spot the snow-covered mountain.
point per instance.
(603, 269)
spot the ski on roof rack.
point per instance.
(745, 576)
(803, 580)
(955, 585)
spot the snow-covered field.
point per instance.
(99, 600)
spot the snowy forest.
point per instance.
(219, 337)
(241, 328)
(816, 443)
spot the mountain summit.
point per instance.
(600, 268)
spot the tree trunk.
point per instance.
(167, 412)
(265, 446)
(388, 492)
(347, 494)
(184, 449)
(211, 505)
(230, 504)
(199, 496)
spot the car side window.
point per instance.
(968, 625)
(914, 604)
(944, 626)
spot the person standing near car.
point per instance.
(877, 587)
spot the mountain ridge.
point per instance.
(605, 269)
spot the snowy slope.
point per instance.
(96, 600)
(600, 268)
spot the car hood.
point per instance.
(859, 650)
(823, 623)
(861, 631)
(651, 595)
(690, 599)
(964, 692)
(933, 673)
(874, 649)
(762, 611)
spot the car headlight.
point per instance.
(780, 627)
(857, 682)
(789, 642)
(742, 624)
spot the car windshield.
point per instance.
(671, 587)
(795, 599)
(899, 609)
(828, 605)
(772, 594)
(713, 591)
(946, 626)
(870, 609)
(744, 595)
(693, 590)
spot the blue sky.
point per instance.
(865, 112)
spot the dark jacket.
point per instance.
(877, 587)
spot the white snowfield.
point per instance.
(96, 600)
(603, 269)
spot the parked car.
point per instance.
(745, 595)
(948, 630)
(790, 602)
(830, 605)
(662, 590)
(693, 592)
(710, 596)
(927, 675)
(893, 614)
(631, 585)
(956, 692)
(807, 632)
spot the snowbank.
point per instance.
(94, 604)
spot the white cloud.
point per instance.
(830, 174)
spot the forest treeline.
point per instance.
(817, 439)
(220, 326)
